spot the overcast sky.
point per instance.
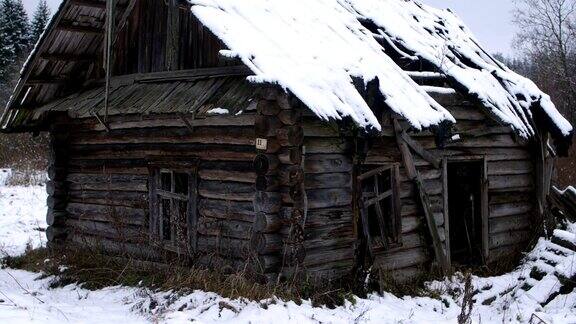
(490, 20)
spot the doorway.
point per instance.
(467, 221)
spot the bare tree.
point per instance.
(548, 39)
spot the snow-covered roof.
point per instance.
(314, 48)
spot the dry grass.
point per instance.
(95, 270)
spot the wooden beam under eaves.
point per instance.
(71, 27)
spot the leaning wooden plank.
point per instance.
(424, 199)
(426, 155)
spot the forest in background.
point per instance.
(545, 51)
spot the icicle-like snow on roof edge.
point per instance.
(314, 47)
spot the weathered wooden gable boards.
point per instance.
(145, 45)
(106, 179)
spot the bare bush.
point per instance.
(23, 152)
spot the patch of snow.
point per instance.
(510, 298)
(218, 111)
(22, 217)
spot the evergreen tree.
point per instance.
(39, 21)
(6, 49)
(15, 27)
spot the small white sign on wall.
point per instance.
(261, 144)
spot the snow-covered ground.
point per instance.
(510, 298)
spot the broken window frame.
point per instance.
(389, 238)
(182, 239)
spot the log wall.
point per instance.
(105, 181)
(330, 229)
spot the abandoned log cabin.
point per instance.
(286, 137)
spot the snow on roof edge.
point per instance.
(292, 34)
(320, 71)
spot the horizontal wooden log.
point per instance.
(509, 223)
(291, 175)
(55, 188)
(465, 112)
(54, 233)
(290, 116)
(226, 190)
(294, 254)
(329, 237)
(266, 164)
(108, 213)
(267, 202)
(268, 107)
(237, 210)
(432, 188)
(170, 120)
(290, 155)
(509, 238)
(290, 136)
(267, 183)
(203, 135)
(510, 197)
(262, 243)
(57, 173)
(315, 145)
(140, 251)
(413, 223)
(224, 227)
(320, 217)
(506, 254)
(227, 175)
(316, 257)
(510, 167)
(267, 223)
(326, 198)
(327, 163)
(56, 218)
(328, 180)
(313, 127)
(511, 209)
(208, 152)
(409, 241)
(56, 203)
(80, 178)
(130, 186)
(111, 198)
(223, 246)
(511, 182)
(266, 126)
(402, 259)
(123, 233)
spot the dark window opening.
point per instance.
(172, 206)
(465, 212)
(379, 205)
